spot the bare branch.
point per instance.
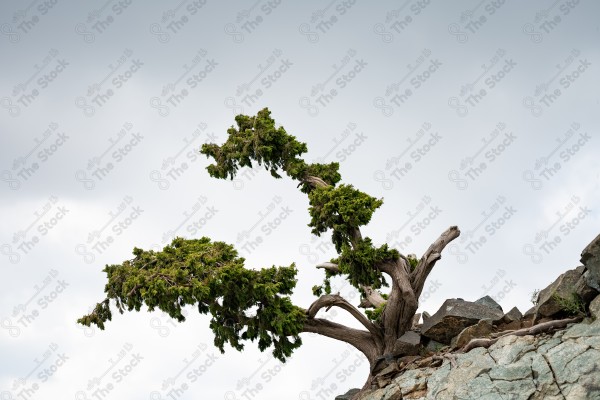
(433, 253)
(360, 339)
(330, 300)
(534, 330)
(330, 267)
(315, 181)
(372, 298)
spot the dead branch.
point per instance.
(330, 300)
(534, 330)
(430, 257)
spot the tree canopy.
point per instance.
(247, 304)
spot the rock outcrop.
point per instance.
(564, 365)
(473, 350)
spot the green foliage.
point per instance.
(341, 209)
(358, 263)
(573, 304)
(375, 314)
(211, 276)
(413, 261)
(250, 304)
(257, 139)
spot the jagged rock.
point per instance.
(382, 362)
(454, 316)
(513, 315)
(348, 395)
(563, 287)
(480, 329)
(416, 319)
(564, 365)
(595, 307)
(404, 361)
(433, 346)
(407, 344)
(586, 292)
(488, 301)
(390, 370)
(513, 320)
(590, 257)
(426, 316)
(529, 314)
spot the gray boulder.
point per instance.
(480, 329)
(513, 315)
(595, 307)
(564, 287)
(407, 344)
(590, 257)
(454, 316)
(348, 395)
(488, 301)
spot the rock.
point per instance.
(590, 257)
(488, 301)
(541, 367)
(513, 315)
(595, 307)
(382, 362)
(529, 314)
(433, 346)
(407, 344)
(415, 321)
(390, 370)
(563, 287)
(481, 329)
(348, 395)
(454, 316)
(586, 292)
(426, 316)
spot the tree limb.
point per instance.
(534, 330)
(433, 253)
(315, 181)
(330, 267)
(360, 339)
(372, 298)
(330, 300)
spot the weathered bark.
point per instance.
(534, 330)
(330, 300)
(372, 298)
(361, 340)
(433, 253)
(399, 308)
(330, 267)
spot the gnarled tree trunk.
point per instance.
(379, 338)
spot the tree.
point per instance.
(254, 305)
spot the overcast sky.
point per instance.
(481, 114)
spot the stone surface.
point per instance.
(513, 315)
(454, 316)
(426, 316)
(416, 320)
(595, 307)
(582, 287)
(565, 365)
(348, 395)
(480, 329)
(564, 286)
(590, 257)
(488, 301)
(407, 344)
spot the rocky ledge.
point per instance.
(474, 350)
(564, 365)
